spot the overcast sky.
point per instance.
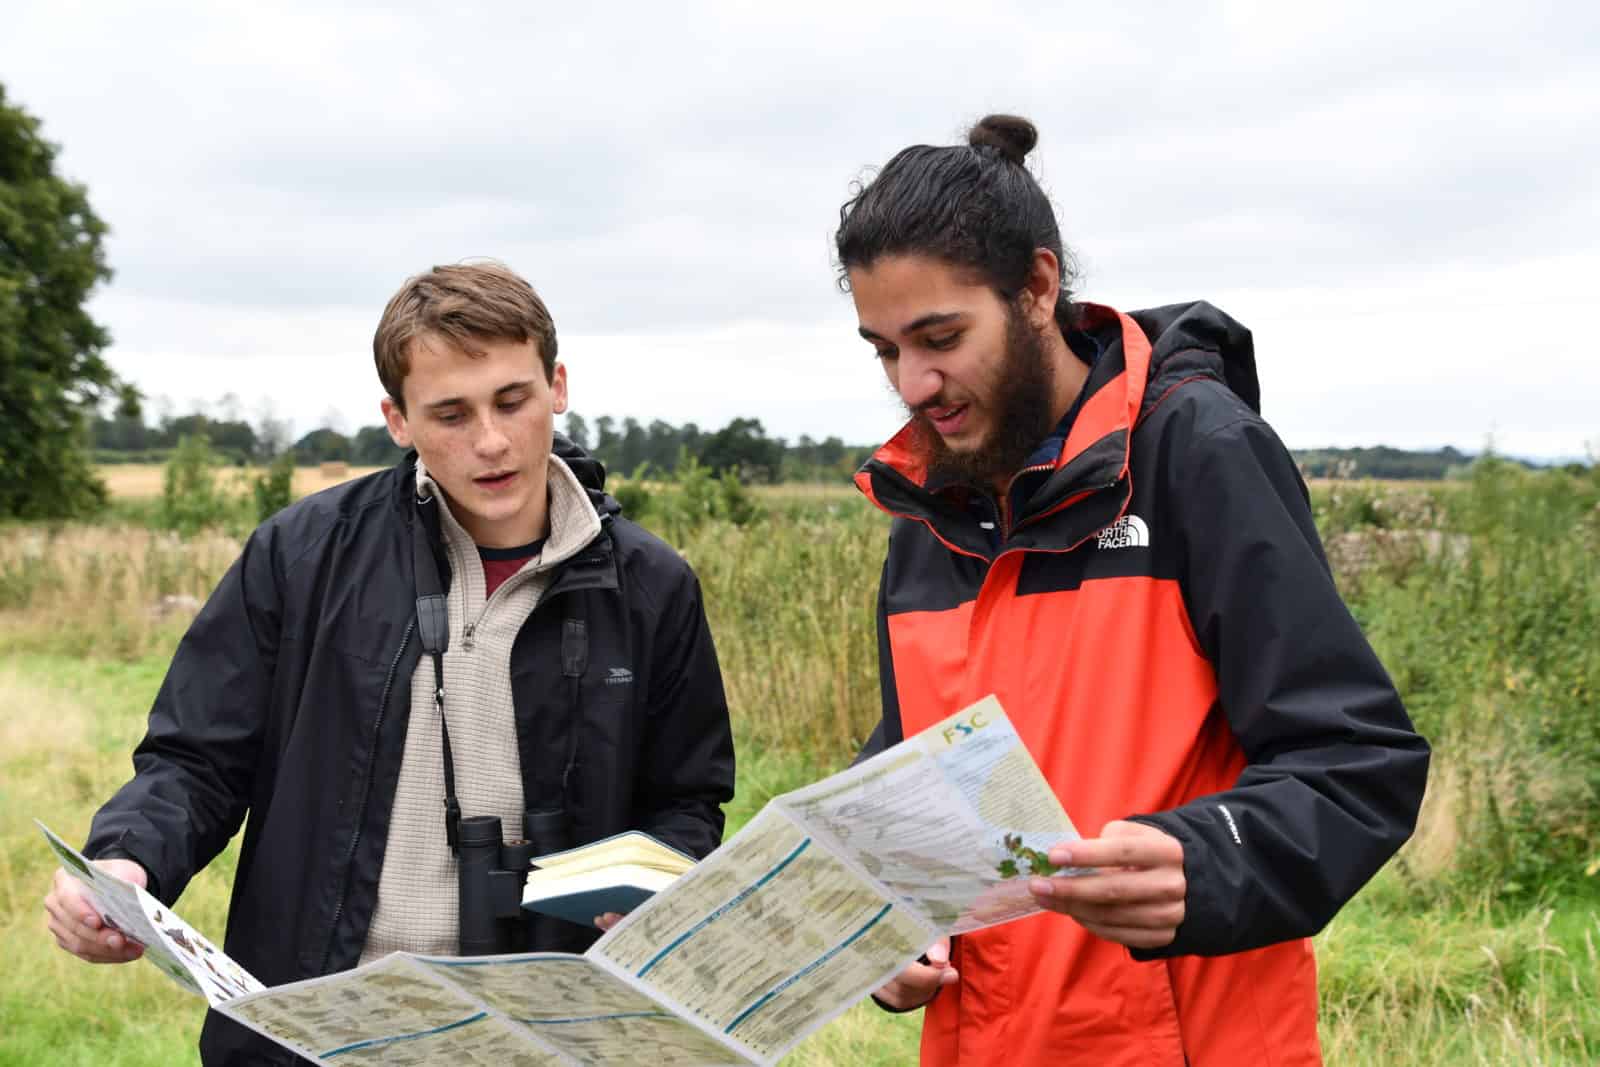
(1398, 199)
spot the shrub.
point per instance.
(273, 488)
(1494, 649)
(698, 497)
(190, 499)
(634, 498)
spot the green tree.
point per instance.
(273, 488)
(322, 446)
(373, 447)
(235, 439)
(577, 430)
(744, 448)
(607, 442)
(634, 449)
(190, 498)
(125, 431)
(272, 433)
(52, 376)
(662, 445)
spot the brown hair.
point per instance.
(465, 304)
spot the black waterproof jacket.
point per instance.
(1159, 620)
(288, 698)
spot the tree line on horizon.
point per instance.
(628, 447)
(631, 448)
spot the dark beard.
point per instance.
(1021, 411)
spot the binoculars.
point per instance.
(492, 873)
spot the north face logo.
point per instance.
(618, 676)
(1129, 531)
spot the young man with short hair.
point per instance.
(1093, 522)
(578, 682)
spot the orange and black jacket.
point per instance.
(1159, 621)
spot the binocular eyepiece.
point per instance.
(492, 873)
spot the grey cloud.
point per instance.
(681, 168)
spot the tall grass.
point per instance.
(1483, 600)
(1491, 628)
(790, 601)
(120, 591)
(1466, 984)
(63, 750)
(1403, 980)
(1479, 945)
(64, 745)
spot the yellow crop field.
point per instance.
(132, 481)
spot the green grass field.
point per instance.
(1480, 944)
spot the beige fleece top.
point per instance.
(417, 892)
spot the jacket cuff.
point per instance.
(1201, 913)
(902, 1011)
(922, 959)
(118, 852)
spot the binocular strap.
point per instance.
(452, 806)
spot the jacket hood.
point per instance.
(1195, 339)
(1144, 356)
(591, 474)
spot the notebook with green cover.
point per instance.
(615, 874)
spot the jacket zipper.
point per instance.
(458, 565)
(366, 791)
(471, 628)
(1005, 497)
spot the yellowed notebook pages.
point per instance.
(633, 848)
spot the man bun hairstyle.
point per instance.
(464, 304)
(974, 205)
(1011, 136)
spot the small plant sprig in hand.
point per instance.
(1023, 859)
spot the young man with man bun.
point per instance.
(1092, 521)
